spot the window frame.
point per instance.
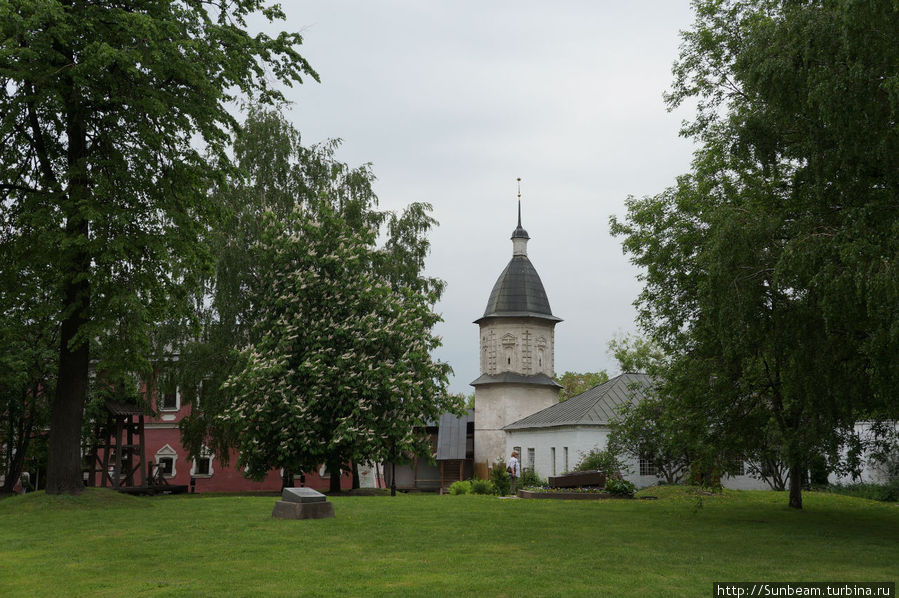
(160, 405)
(647, 466)
(206, 455)
(167, 452)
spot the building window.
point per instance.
(530, 458)
(169, 400)
(202, 465)
(741, 468)
(552, 458)
(647, 467)
(565, 461)
(166, 460)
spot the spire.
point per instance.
(519, 235)
(519, 202)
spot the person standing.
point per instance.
(514, 470)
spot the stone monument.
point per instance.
(302, 503)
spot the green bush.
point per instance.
(460, 487)
(530, 479)
(482, 487)
(500, 478)
(888, 492)
(599, 460)
(617, 486)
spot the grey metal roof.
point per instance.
(594, 407)
(452, 435)
(514, 378)
(518, 292)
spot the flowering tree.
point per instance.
(341, 370)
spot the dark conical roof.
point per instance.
(519, 292)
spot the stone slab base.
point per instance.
(296, 510)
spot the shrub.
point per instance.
(617, 486)
(482, 487)
(500, 478)
(599, 460)
(888, 492)
(530, 479)
(460, 487)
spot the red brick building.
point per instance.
(166, 455)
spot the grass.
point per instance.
(106, 544)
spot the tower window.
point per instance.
(509, 360)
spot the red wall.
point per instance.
(223, 479)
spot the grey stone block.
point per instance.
(296, 510)
(301, 495)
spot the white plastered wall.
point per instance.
(497, 405)
(521, 345)
(581, 439)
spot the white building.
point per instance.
(517, 339)
(553, 440)
(516, 399)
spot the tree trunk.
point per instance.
(796, 486)
(355, 475)
(67, 410)
(334, 470)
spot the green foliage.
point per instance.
(115, 123)
(502, 483)
(769, 270)
(342, 368)
(597, 459)
(282, 183)
(635, 353)
(650, 430)
(574, 383)
(460, 487)
(618, 486)
(529, 478)
(482, 487)
(887, 492)
(29, 352)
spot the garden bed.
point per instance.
(568, 495)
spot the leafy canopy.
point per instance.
(341, 370)
(769, 270)
(106, 110)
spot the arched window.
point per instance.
(166, 461)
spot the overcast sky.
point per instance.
(451, 101)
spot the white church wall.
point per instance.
(497, 405)
(576, 441)
(744, 482)
(872, 471)
(573, 441)
(522, 345)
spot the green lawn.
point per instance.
(107, 544)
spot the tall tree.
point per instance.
(277, 176)
(342, 369)
(100, 104)
(770, 269)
